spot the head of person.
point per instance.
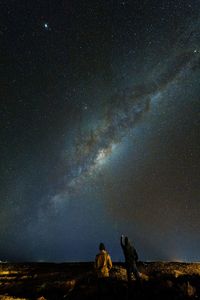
(102, 247)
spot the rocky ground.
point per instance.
(159, 280)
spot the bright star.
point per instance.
(46, 25)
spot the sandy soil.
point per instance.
(159, 280)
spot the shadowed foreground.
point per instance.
(160, 280)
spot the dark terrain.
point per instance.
(160, 280)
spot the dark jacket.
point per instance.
(130, 253)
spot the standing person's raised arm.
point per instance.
(121, 241)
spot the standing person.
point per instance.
(103, 262)
(103, 265)
(131, 258)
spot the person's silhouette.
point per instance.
(103, 265)
(131, 258)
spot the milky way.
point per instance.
(125, 109)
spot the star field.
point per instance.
(100, 129)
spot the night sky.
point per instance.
(99, 134)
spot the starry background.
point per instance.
(99, 130)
